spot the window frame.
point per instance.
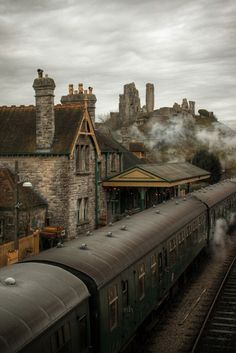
(113, 306)
(141, 281)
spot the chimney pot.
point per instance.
(71, 89)
(80, 87)
(40, 73)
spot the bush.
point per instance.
(210, 162)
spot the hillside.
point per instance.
(177, 137)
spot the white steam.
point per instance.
(220, 233)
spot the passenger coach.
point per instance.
(43, 309)
(129, 267)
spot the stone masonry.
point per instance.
(44, 96)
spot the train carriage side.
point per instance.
(220, 200)
(130, 267)
(43, 309)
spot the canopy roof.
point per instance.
(158, 175)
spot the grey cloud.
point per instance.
(186, 48)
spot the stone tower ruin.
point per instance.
(149, 97)
(45, 121)
(129, 104)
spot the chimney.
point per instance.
(45, 121)
(149, 97)
(80, 87)
(71, 89)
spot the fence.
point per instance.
(28, 246)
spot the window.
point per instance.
(181, 242)
(173, 251)
(141, 281)
(87, 150)
(82, 210)
(83, 334)
(60, 339)
(113, 306)
(113, 162)
(165, 257)
(160, 267)
(82, 153)
(125, 294)
(153, 269)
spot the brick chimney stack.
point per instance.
(85, 97)
(45, 121)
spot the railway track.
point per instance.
(180, 320)
(218, 332)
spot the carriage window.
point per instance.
(173, 251)
(181, 242)
(153, 269)
(160, 265)
(60, 340)
(141, 280)
(83, 334)
(165, 257)
(113, 306)
(125, 294)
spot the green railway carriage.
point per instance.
(43, 309)
(130, 266)
(220, 199)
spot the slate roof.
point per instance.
(174, 171)
(108, 144)
(18, 129)
(41, 296)
(106, 257)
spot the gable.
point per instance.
(136, 174)
(85, 129)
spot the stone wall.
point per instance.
(30, 219)
(56, 180)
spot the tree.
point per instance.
(210, 162)
(207, 114)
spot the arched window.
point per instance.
(82, 210)
(82, 153)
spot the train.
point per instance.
(91, 294)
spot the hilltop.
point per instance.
(169, 133)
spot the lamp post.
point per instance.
(25, 184)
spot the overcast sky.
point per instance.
(187, 48)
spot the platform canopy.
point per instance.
(157, 175)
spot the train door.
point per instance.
(127, 309)
(163, 272)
